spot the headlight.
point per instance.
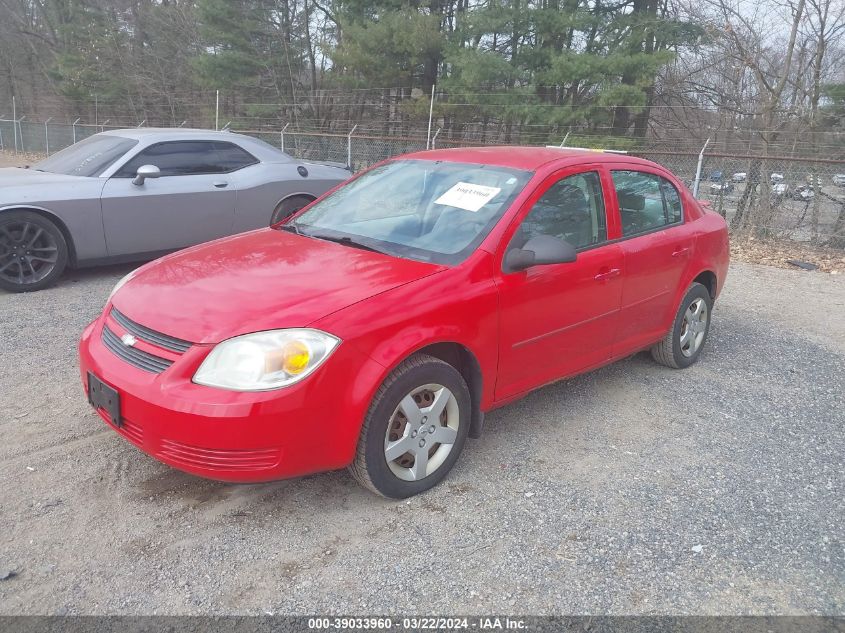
(265, 360)
(120, 283)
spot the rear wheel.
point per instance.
(415, 429)
(288, 207)
(683, 344)
(33, 251)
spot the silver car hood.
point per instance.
(18, 185)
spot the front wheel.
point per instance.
(33, 251)
(682, 346)
(415, 428)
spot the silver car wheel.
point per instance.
(28, 253)
(694, 327)
(421, 432)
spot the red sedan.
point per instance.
(375, 328)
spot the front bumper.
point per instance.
(308, 427)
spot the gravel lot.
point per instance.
(633, 489)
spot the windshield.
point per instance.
(89, 157)
(427, 210)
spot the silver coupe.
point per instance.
(135, 194)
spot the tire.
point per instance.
(288, 207)
(33, 251)
(392, 419)
(682, 345)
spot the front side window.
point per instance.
(186, 158)
(646, 201)
(572, 210)
(89, 157)
(434, 211)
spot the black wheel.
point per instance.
(288, 207)
(683, 344)
(33, 251)
(415, 428)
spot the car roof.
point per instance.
(525, 157)
(149, 135)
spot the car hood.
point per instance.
(18, 185)
(256, 281)
(11, 176)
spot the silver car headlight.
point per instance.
(265, 360)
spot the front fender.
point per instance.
(458, 305)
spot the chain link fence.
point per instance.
(800, 199)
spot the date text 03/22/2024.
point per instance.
(417, 623)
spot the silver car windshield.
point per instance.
(427, 210)
(89, 157)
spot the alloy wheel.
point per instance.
(28, 252)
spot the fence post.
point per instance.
(434, 138)
(282, 136)
(698, 169)
(47, 136)
(430, 113)
(73, 125)
(349, 147)
(20, 132)
(14, 122)
(2, 148)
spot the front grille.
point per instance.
(218, 459)
(150, 336)
(134, 356)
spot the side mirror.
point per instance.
(144, 172)
(539, 250)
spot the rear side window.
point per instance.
(572, 209)
(185, 158)
(646, 202)
(232, 157)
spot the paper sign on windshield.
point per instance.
(467, 196)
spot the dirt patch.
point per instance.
(780, 252)
(10, 159)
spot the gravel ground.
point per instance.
(632, 489)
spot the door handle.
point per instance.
(220, 184)
(680, 251)
(608, 274)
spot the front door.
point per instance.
(188, 204)
(557, 320)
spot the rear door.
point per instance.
(559, 319)
(656, 245)
(193, 201)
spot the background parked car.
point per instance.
(839, 180)
(779, 190)
(716, 176)
(740, 176)
(805, 193)
(134, 194)
(721, 187)
(776, 178)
